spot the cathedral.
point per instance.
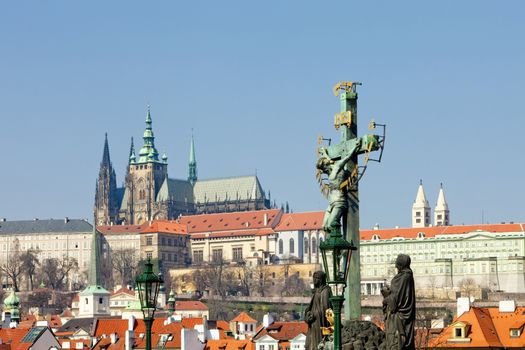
(149, 194)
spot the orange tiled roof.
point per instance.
(184, 305)
(488, 328)
(229, 344)
(13, 336)
(123, 290)
(301, 221)
(283, 331)
(164, 226)
(239, 233)
(243, 317)
(231, 221)
(412, 232)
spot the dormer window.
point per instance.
(375, 238)
(515, 333)
(459, 332)
(420, 235)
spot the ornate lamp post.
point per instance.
(336, 252)
(148, 285)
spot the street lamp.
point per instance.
(336, 252)
(148, 285)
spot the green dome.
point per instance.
(12, 301)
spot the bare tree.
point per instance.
(124, 264)
(293, 286)
(30, 263)
(262, 280)
(12, 267)
(468, 287)
(56, 271)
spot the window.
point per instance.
(86, 300)
(458, 332)
(197, 256)
(418, 213)
(100, 300)
(514, 333)
(306, 245)
(314, 246)
(216, 255)
(237, 254)
(418, 221)
(149, 240)
(281, 247)
(440, 217)
(292, 246)
(149, 255)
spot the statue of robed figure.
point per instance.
(315, 313)
(399, 307)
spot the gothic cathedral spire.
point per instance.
(420, 208)
(105, 194)
(192, 165)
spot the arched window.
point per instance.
(292, 246)
(306, 245)
(281, 246)
(314, 246)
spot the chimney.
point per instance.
(114, 337)
(267, 320)
(66, 345)
(66, 220)
(129, 340)
(79, 345)
(204, 328)
(131, 323)
(376, 227)
(265, 219)
(463, 305)
(507, 306)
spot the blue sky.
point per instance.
(253, 80)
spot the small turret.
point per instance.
(12, 309)
(132, 157)
(148, 153)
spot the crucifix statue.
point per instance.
(339, 164)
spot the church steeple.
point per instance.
(94, 298)
(192, 164)
(94, 260)
(441, 211)
(106, 161)
(148, 152)
(420, 208)
(105, 193)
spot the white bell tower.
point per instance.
(441, 212)
(420, 208)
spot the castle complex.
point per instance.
(149, 194)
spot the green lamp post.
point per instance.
(148, 285)
(336, 252)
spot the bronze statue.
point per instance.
(399, 307)
(338, 183)
(315, 313)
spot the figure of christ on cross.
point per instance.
(338, 184)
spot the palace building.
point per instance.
(149, 194)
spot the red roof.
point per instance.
(189, 305)
(229, 344)
(13, 336)
(245, 220)
(488, 327)
(163, 226)
(301, 221)
(123, 290)
(283, 331)
(239, 233)
(412, 232)
(244, 317)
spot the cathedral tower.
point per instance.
(441, 212)
(145, 177)
(420, 208)
(106, 207)
(192, 165)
